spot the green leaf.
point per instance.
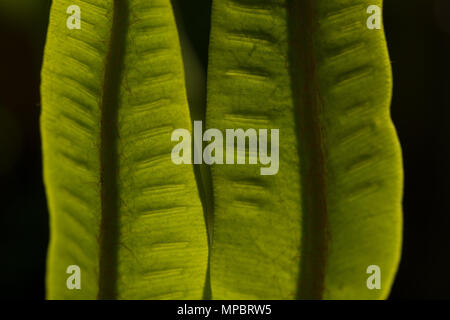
(313, 70)
(112, 93)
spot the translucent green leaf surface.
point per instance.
(112, 93)
(315, 71)
(133, 221)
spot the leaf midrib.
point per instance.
(109, 167)
(306, 95)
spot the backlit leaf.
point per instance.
(112, 93)
(313, 70)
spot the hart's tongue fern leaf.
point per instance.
(133, 221)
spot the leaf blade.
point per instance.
(292, 239)
(160, 250)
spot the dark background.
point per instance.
(418, 33)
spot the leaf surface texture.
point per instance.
(112, 93)
(313, 70)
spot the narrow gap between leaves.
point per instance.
(109, 233)
(195, 79)
(306, 95)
